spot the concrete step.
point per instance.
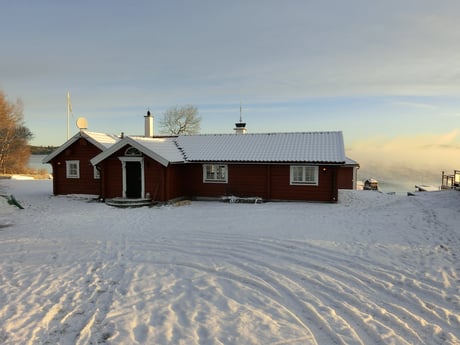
(124, 202)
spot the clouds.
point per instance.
(128, 56)
(279, 49)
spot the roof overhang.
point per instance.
(131, 142)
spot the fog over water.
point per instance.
(402, 162)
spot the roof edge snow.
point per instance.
(134, 143)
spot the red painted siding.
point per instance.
(346, 178)
(176, 180)
(82, 151)
(283, 190)
(243, 180)
(271, 182)
(111, 173)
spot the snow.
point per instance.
(372, 269)
(21, 177)
(264, 147)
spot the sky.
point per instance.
(386, 73)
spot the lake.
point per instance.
(35, 162)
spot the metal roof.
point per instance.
(301, 147)
(311, 147)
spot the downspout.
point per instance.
(101, 183)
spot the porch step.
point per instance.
(123, 202)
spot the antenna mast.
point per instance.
(240, 127)
(69, 111)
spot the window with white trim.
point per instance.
(215, 173)
(97, 173)
(72, 169)
(304, 175)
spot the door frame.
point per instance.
(123, 169)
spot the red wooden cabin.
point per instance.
(308, 166)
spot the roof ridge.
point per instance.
(254, 134)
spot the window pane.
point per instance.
(310, 175)
(220, 173)
(209, 172)
(297, 174)
(72, 169)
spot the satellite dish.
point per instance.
(82, 123)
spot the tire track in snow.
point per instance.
(319, 292)
(303, 267)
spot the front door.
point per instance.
(133, 180)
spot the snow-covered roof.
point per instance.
(161, 149)
(349, 161)
(162, 146)
(103, 139)
(313, 147)
(100, 140)
(307, 147)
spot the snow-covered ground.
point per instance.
(372, 269)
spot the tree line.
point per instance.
(14, 137)
(42, 150)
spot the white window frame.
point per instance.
(72, 169)
(304, 175)
(215, 173)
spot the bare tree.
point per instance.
(14, 137)
(181, 120)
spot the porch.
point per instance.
(451, 181)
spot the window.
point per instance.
(72, 169)
(302, 174)
(132, 151)
(97, 173)
(215, 173)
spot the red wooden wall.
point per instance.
(83, 151)
(346, 178)
(271, 182)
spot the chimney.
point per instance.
(148, 125)
(240, 127)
